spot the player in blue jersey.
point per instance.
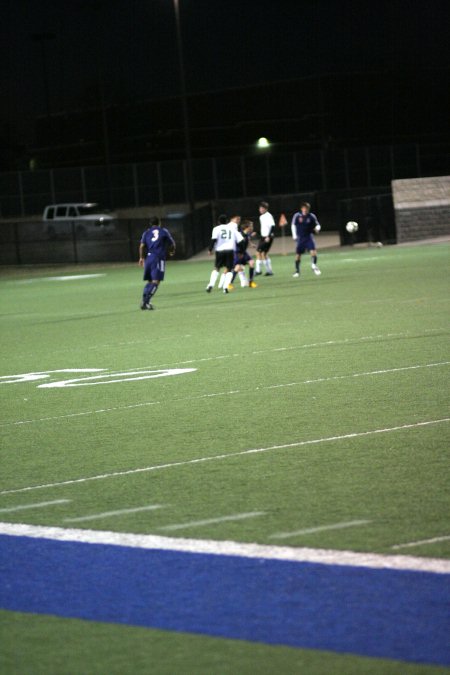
(156, 242)
(304, 223)
(242, 258)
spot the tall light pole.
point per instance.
(187, 131)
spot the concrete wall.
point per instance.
(422, 208)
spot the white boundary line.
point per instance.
(38, 505)
(212, 521)
(108, 514)
(423, 542)
(200, 460)
(220, 393)
(320, 528)
(230, 548)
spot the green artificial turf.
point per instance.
(341, 382)
(43, 645)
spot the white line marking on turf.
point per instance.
(42, 375)
(212, 521)
(222, 393)
(229, 548)
(38, 505)
(201, 460)
(109, 514)
(366, 374)
(81, 414)
(423, 542)
(321, 528)
(72, 277)
(132, 376)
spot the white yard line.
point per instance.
(230, 548)
(38, 505)
(411, 544)
(212, 521)
(385, 371)
(109, 514)
(201, 460)
(320, 528)
(366, 374)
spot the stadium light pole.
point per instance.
(187, 131)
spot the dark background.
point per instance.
(77, 74)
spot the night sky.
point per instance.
(227, 43)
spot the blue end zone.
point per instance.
(379, 613)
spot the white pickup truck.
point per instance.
(83, 219)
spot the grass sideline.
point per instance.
(363, 348)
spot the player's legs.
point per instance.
(212, 280)
(149, 291)
(226, 279)
(242, 277)
(251, 272)
(236, 270)
(267, 261)
(258, 262)
(154, 270)
(298, 259)
(315, 269)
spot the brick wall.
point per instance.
(422, 208)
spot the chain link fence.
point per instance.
(122, 186)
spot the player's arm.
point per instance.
(294, 227)
(172, 246)
(142, 249)
(317, 227)
(241, 245)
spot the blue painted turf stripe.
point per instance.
(371, 612)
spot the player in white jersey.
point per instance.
(225, 239)
(267, 233)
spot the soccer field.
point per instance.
(255, 482)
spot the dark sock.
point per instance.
(149, 291)
(314, 259)
(297, 266)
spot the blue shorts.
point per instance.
(154, 268)
(305, 244)
(241, 258)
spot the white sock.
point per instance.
(213, 278)
(258, 265)
(227, 279)
(243, 279)
(268, 264)
(221, 280)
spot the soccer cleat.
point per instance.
(315, 269)
(257, 273)
(208, 289)
(268, 274)
(146, 305)
(296, 274)
(225, 290)
(253, 285)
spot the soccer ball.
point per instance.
(351, 226)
